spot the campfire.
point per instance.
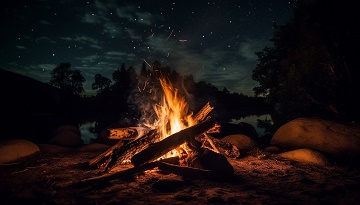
(177, 142)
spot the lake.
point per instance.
(87, 136)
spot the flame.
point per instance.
(173, 113)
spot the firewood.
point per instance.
(126, 173)
(194, 173)
(158, 149)
(102, 158)
(126, 133)
(223, 147)
(203, 113)
(116, 155)
(130, 149)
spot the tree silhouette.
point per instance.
(101, 83)
(63, 77)
(311, 69)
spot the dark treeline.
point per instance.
(313, 68)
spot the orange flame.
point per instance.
(173, 113)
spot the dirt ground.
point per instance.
(259, 178)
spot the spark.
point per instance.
(169, 35)
(147, 62)
(183, 40)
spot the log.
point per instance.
(223, 147)
(171, 142)
(194, 173)
(126, 133)
(203, 113)
(125, 152)
(118, 154)
(102, 159)
(131, 171)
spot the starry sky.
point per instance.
(215, 41)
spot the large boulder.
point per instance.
(67, 136)
(239, 128)
(16, 149)
(306, 155)
(242, 142)
(332, 138)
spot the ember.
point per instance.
(177, 142)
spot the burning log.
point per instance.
(193, 173)
(132, 171)
(121, 151)
(203, 113)
(171, 142)
(149, 147)
(118, 154)
(126, 133)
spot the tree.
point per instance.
(101, 83)
(144, 72)
(63, 77)
(311, 70)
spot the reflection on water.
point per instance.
(86, 132)
(252, 119)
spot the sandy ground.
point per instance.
(259, 178)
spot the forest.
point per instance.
(310, 71)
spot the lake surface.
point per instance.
(252, 119)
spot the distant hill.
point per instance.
(30, 108)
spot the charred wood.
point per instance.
(193, 173)
(203, 113)
(116, 155)
(128, 173)
(126, 133)
(223, 147)
(158, 149)
(104, 158)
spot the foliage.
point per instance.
(101, 83)
(311, 70)
(63, 77)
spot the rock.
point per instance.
(273, 149)
(67, 136)
(332, 138)
(240, 128)
(16, 149)
(305, 156)
(210, 160)
(242, 142)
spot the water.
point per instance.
(85, 129)
(252, 119)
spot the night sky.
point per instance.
(215, 41)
